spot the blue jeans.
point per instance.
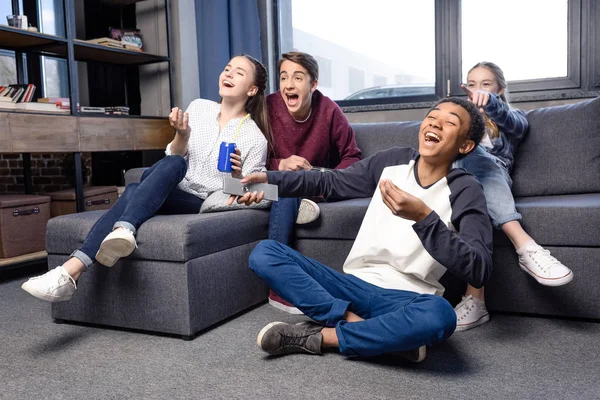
(496, 181)
(282, 219)
(157, 192)
(395, 320)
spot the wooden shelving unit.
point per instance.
(25, 259)
(23, 131)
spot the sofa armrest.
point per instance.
(134, 175)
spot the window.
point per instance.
(379, 80)
(365, 45)
(423, 50)
(8, 68)
(324, 71)
(52, 17)
(55, 76)
(356, 79)
(524, 47)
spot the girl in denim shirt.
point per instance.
(491, 162)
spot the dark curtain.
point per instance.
(225, 28)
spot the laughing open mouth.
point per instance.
(432, 137)
(292, 99)
(228, 84)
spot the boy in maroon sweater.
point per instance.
(309, 131)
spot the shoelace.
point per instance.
(546, 261)
(464, 307)
(62, 279)
(293, 341)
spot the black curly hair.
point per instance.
(477, 124)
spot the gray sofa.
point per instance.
(190, 271)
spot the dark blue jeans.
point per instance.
(282, 219)
(395, 320)
(157, 193)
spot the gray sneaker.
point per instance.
(283, 338)
(55, 285)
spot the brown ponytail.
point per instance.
(256, 105)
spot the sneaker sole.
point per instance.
(42, 296)
(308, 212)
(415, 356)
(480, 321)
(113, 249)
(264, 330)
(549, 281)
(284, 308)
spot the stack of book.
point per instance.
(115, 44)
(117, 110)
(16, 93)
(120, 110)
(18, 98)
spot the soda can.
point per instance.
(225, 150)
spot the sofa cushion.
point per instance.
(571, 220)
(168, 237)
(561, 152)
(338, 220)
(374, 137)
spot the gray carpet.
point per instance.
(511, 357)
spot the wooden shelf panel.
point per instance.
(39, 133)
(151, 134)
(4, 132)
(34, 133)
(25, 258)
(22, 40)
(85, 51)
(106, 134)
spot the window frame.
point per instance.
(448, 56)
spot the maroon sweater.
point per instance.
(326, 139)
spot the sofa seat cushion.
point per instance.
(168, 237)
(570, 220)
(338, 220)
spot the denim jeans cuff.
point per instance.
(126, 225)
(507, 218)
(342, 345)
(337, 312)
(84, 258)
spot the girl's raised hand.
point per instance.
(478, 97)
(179, 120)
(236, 161)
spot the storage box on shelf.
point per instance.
(23, 220)
(95, 198)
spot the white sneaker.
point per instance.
(308, 212)
(470, 313)
(543, 267)
(118, 244)
(55, 285)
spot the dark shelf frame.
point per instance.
(23, 41)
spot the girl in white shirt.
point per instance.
(180, 182)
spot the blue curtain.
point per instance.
(225, 28)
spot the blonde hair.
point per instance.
(490, 125)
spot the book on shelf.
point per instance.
(53, 100)
(21, 93)
(92, 110)
(114, 43)
(32, 106)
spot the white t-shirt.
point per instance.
(202, 177)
